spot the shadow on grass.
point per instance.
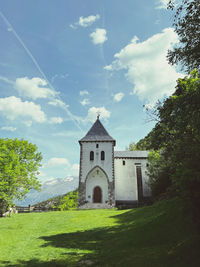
(152, 236)
(34, 263)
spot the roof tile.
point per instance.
(97, 133)
(131, 154)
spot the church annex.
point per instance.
(107, 177)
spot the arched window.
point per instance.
(91, 155)
(102, 155)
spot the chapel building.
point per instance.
(110, 178)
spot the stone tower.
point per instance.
(96, 177)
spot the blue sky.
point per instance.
(63, 61)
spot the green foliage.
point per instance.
(187, 26)
(177, 136)
(69, 202)
(145, 143)
(142, 144)
(131, 147)
(51, 202)
(159, 235)
(178, 131)
(19, 162)
(3, 206)
(158, 172)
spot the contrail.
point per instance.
(6, 80)
(10, 27)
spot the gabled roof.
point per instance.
(131, 154)
(97, 133)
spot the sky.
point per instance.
(63, 62)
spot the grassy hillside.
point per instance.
(54, 201)
(159, 235)
(61, 202)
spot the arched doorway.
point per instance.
(97, 178)
(97, 195)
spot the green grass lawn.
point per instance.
(158, 235)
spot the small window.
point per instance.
(147, 165)
(102, 155)
(124, 162)
(97, 145)
(91, 155)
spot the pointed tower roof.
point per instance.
(97, 133)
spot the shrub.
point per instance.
(70, 201)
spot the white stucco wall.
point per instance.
(96, 179)
(126, 179)
(87, 164)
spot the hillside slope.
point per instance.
(162, 235)
(54, 202)
(50, 189)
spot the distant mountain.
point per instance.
(50, 188)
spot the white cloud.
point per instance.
(147, 67)
(98, 36)
(27, 123)
(108, 67)
(68, 134)
(75, 167)
(84, 92)
(63, 105)
(60, 163)
(8, 128)
(118, 97)
(68, 179)
(85, 21)
(48, 180)
(41, 174)
(85, 102)
(54, 162)
(93, 111)
(162, 4)
(56, 120)
(33, 88)
(52, 181)
(13, 107)
(59, 76)
(59, 103)
(73, 26)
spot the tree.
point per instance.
(179, 121)
(187, 26)
(70, 201)
(19, 163)
(158, 171)
(132, 146)
(177, 135)
(143, 144)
